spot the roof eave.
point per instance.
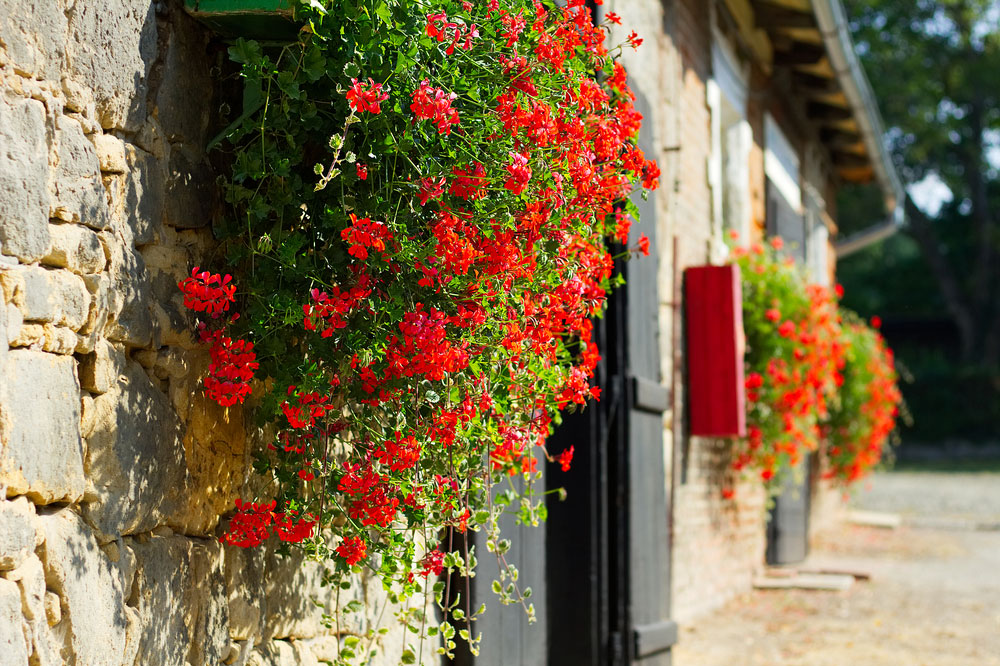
(832, 23)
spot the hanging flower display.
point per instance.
(421, 207)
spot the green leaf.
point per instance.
(245, 51)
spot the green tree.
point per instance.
(934, 66)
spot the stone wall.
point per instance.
(114, 469)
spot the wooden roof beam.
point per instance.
(813, 85)
(827, 113)
(774, 17)
(800, 53)
(849, 160)
(835, 139)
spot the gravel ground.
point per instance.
(933, 597)
(935, 498)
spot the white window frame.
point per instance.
(728, 85)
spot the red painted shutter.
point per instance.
(714, 314)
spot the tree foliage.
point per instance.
(934, 65)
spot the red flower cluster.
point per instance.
(231, 370)
(328, 312)
(208, 292)
(251, 526)
(353, 550)
(366, 96)
(565, 459)
(431, 103)
(438, 27)
(365, 234)
(520, 173)
(860, 426)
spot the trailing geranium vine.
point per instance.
(817, 378)
(794, 361)
(859, 429)
(423, 194)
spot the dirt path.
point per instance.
(934, 596)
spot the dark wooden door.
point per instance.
(607, 544)
(600, 567)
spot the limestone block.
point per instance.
(111, 47)
(99, 371)
(34, 37)
(324, 648)
(94, 618)
(191, 197)
(14, 322)
(131, 319)
(58, 339)
(14, 644)
(24, 168)
(244, 574)
(53, 296)
(99, 288)
(168, 265)
(42, 452)
(30, 579)
(78, 193)
(144, 195)
(295, 599)
(216, 452)
(281, 653)
(53, 609)
(181, 602)
(135, 458)
(74, 247)
(184, 77)
(17, 532)
(110, 152)
(31, 336)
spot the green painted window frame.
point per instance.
(268, 20)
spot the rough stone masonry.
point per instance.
(114, 469)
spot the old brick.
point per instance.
(42, 453)
(30, 579)
(15, 320)
(58, 339)
(185, 77)
(182, 602)
(29, 335)
(191, 197)
(98, 286)
(33, 37)
(75, 247)
(24, 195)
(144, 195)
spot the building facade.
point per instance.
(115, 470)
